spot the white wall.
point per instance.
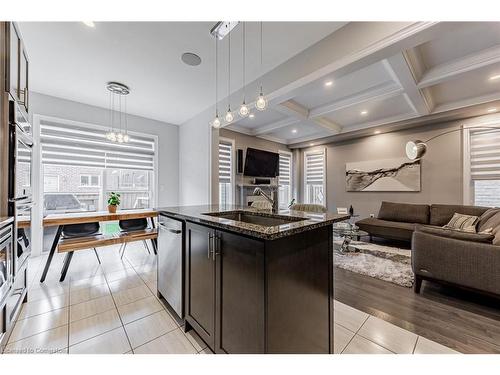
(195, 137)
(168, 136)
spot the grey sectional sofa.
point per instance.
(469, 260)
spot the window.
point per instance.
(80, 167)
(285, 179)
(314, 177)
(483, 162)
(89, 181)
(225, 172)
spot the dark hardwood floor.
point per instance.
(461, 320)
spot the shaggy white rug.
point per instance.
(381, 262)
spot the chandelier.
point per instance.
(117, 110)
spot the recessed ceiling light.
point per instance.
(364, 113)
(89, 23)
(376, 132)
(191, 59)
(251, 115)
(491, 110)
(294, 131)
(311, 144)
(495, 77)
(328, 83)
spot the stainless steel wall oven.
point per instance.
(20, 181)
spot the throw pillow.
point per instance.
(492, 225)
(463, 223)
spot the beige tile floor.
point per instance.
(112, 308)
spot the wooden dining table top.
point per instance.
(89, 217)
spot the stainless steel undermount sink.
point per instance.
(267, 220)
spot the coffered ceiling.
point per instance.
(457, 67)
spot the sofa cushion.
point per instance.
(458, 235)
(486, 216)
(463, 223)
(387, 229)
(442, 213)
(404, 212)
(492, 226)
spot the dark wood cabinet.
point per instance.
(247, 295)
(18, 68)
(200, 282)
(239, 294)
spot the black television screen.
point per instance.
(259, 163)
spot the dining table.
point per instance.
(60, 220)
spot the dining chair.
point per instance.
(130, 225)
(81, 230)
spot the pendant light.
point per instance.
(229, 117)
(261, 102)
(120, 133)
(244, 111)
(216, 122)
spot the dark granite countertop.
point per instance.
(311, 220)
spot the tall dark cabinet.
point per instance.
(15, 200)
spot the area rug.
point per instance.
(381, 262)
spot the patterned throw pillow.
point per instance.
(463, 223)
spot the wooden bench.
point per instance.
(81, 243)
(70, 245)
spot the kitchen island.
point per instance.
(257, 282)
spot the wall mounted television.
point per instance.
(260, 163)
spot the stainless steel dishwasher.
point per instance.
(170, 263)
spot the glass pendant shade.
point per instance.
(244, 111)
(229, 116)
(415, 149)
(261, 103)
(119, 138)
(126, 138)
(216, 122)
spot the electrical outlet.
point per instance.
(372, 215)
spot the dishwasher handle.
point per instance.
(175, 231)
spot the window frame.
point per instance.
(37, 174)
(467, 182)
(89, 176)
(314, 151)
(232, 142)
(290, 155)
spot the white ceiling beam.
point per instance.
(401, 69)
(269, 128)
(327, 124)
(467, 102)
(294, 109)
(303, 114)
(379, 92)
(307, 138)
(446, 71)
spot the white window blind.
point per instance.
(69, 144)
(285, 179)
(225, 172)
(485, 167)
(314, 176)
(225, 150)
(485, 155)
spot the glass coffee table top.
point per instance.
(347, 232)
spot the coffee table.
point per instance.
(348, 232)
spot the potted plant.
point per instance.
(113, 202)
